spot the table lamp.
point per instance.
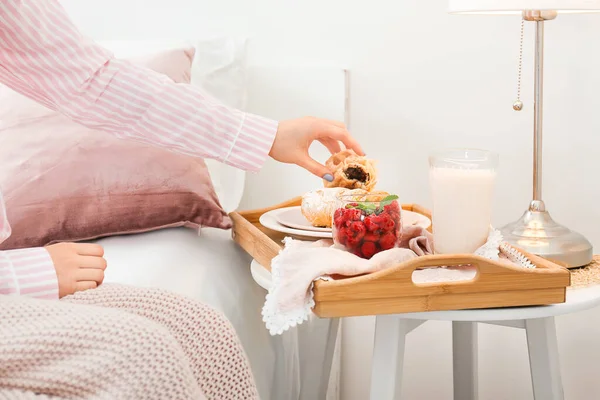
(536, 232)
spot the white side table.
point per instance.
(538, 322)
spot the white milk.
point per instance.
(462, 208)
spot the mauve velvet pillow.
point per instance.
(64, 182)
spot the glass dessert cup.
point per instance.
(367, 224)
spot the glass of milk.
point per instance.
(462, 187)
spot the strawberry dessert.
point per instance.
(366, 228)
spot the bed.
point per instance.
(208, 267)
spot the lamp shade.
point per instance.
(518, 6)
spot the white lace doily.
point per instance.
(275, 320)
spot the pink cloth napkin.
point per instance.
(417, 239)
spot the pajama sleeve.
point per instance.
(43, 56)
(26, 272)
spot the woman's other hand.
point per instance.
(79, 266)
(295, 136)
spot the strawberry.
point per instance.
(392, 208)
(352, 242)
(387, 223)
(393, 213)
(339, 222)
(368, 249)
(371, 237)
(378, 219)
(342, 236)
(358, 229)
(387, 241)
(352, 214)
(338, 214)
(370, 225)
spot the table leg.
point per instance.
(388, 357)
(317, 345)
(464, 356)
(286, 375)
(543, 359)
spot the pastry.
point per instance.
(318, 205)
(351, 171)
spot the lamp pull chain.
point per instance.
(518, 105)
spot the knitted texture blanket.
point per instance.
(120, 342)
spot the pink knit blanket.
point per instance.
(119, 342)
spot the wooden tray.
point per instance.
(393, 291)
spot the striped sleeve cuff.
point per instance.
(253, 143)
(32, 272)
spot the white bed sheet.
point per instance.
(211, 268)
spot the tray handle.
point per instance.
(488, 272)
(483, 268)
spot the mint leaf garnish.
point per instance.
(388, 200)
(367, 208)
(371, 208)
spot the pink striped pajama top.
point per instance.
(43, 56)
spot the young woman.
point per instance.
(115, 341)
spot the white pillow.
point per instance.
(219, 67)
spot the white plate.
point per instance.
(292, 217)
(271, 220)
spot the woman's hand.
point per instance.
(79, 266)
(295, 136)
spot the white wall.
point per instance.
(421, 78)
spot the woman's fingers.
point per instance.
(91, 262)
(332, 145)
(340, 134)
(315, 168)
(89, 249)
(330, 134)
(294, 138)
(90, 275)
(86, 285)
(339, 124)
(91, 269)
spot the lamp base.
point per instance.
(537, 233)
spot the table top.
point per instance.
(578, 299)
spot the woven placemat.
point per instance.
(586, 276)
